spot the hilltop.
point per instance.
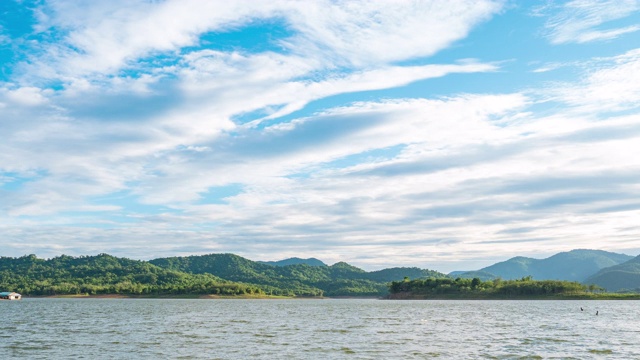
(295, 261)
(340, 279)
(622, 277)
(574, 265)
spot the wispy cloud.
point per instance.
(106, 38)
(611, 84)
(581, 21)
(542, 68)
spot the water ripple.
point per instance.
(317, 329)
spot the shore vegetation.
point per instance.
(524, 288)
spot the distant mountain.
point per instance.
(340, 279)
(513, 268)
(575, 265)
(482, 275)
(457, 273)
(399, 273)
(625, 276)
(295, 261)
(236, 268)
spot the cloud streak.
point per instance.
(580, 21)
(106, 38)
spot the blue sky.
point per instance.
(443, 135)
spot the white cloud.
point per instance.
(29, 96)
(579, 20)
(363, 32)
(472, 170)
(549, 67)
(612, 84)
(65, 134)
(131, 121)
(245, 83)
(105, 38)
(606, 34)
(282, 150)
(490, 174)
(461, 161)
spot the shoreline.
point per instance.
(183, 296)
(407, 297)
(586, 296)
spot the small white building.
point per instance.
(10, 296)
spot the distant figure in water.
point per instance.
(581, 309)
(597, 313)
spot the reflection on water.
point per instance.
(318, 329)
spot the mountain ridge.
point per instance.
(233, 274)
(339, 279)
(295, 261)
(574, 265)
(621, 277)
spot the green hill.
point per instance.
(575, 265)
(287, 280)
(514, 268)
(340, 279)
(399, 273)
(106, 274)
(295, 261)
(625, 276)
(482, 275)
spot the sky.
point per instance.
(446, 135)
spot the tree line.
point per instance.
(475, 287)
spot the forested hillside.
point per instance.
(622, 277)
(106, 274)
(340, 279)
(229, 274)
(295, 261)
(224, 274)
(574, 265)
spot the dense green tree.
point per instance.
(224, 274)
(104, 274)
(340, 279)
(525, 286)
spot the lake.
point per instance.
(318, 329)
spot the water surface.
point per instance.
(318, 329)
